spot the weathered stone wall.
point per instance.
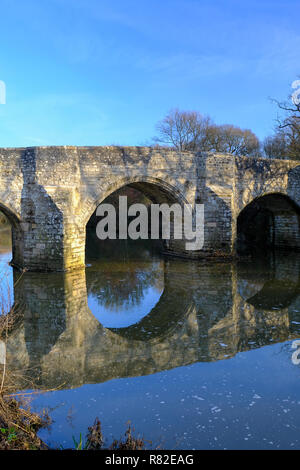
(287, 233)
(49, 194)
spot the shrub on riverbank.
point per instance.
(95, 439)
(19, 425)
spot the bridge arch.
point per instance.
(156, 191)
(17, 233)
(271, 220)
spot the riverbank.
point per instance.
(19, 425)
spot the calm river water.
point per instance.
(196, 355)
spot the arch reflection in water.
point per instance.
(123, 289)
(206, 313)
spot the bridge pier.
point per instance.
(46, 248)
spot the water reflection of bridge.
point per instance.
(206, 313)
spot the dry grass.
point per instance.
(129, 443)
(18, 424)
(95, 440)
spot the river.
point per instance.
(197, 355)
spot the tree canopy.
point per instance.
(192, 131)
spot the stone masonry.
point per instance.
(50, 193)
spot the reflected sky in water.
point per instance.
(196, 355)
(6, 272)
(125, 314)
(125, 281)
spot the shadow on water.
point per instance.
(197, 312)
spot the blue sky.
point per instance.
(101, 72)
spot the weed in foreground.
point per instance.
(95, 440)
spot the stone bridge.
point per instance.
(50, 193)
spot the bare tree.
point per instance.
(183, 130)
(234, 140)
(191, 131)
(289, 125)
(276, 146)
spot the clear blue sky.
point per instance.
(100, 72)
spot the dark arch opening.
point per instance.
(269, 222)
(136, 192)
(12, 234)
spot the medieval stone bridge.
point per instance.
(50, 193)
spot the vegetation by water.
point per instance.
(19, 425)
(209, 352)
